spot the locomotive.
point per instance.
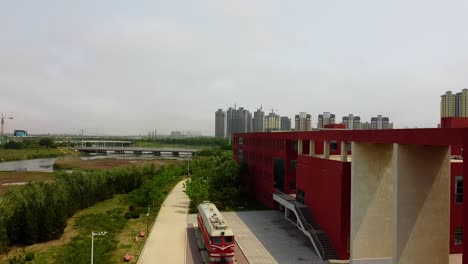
(216, 233)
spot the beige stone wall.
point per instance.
(421, 204)
(371, 201)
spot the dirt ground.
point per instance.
(14, 178)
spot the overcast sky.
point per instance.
(126, 67)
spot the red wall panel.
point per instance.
(326, 184)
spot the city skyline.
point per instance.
(115, 68)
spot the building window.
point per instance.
(333, 146)
(240, 140)
(459, 189)
(292, 185)
(241, 154)
(300, 196)
(458, 236)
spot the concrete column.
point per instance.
(344, 151)
(300, 143)
(371, 203)
(311, 148)
(421, 199)
(326, 149)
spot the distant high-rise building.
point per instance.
(326, 118)
(285, 123)
(352, 122)
(454, 105)
(220, 123)
(272, 122)
(380, 122)
(238, 121)
(462, 103)
(259, 120)
(303, 122)
(447, 105)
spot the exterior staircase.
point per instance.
(307, 224)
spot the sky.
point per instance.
(127, 67)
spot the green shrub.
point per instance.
(135, 215)
(29, 256)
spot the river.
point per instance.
(47, 164)
(44, 165)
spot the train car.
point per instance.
(216, 233)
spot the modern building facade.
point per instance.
(394, 196)
(380, 122)
(326, 118)
(461, 100)
(454, 105)
(352, 122)
(303, 122)
(272, 122)
(285, 123)
(447, 105)
(220, 123)
(259, 121)
(238, 121)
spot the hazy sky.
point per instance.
(125, 67)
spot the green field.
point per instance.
(34, 153)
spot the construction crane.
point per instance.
(3, 123)
(272, 110)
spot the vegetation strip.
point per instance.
(46, 206)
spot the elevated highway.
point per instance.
(137, 151)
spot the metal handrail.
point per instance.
(285, 196)
(315, 237)
(311, 230)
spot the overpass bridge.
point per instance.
(137, 151)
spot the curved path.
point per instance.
(167, 239)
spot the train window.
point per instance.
(216, 240)
(228, 240)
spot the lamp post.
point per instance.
(188, 151)
(147, 226)
(101, 233)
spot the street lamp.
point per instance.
(188, 151)
(147, 226)
(101, 233)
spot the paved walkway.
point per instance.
(265, 237)
(167, 238)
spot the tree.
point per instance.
(46, 143)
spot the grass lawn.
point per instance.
(24, 154)
(76, 163)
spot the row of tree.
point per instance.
(192, 141)
(30, 143)
(215, 178)
(38, 211)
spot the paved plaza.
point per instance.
(265, 237)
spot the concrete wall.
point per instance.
(421, 204)
(371, 201)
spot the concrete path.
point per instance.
(167, 238)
